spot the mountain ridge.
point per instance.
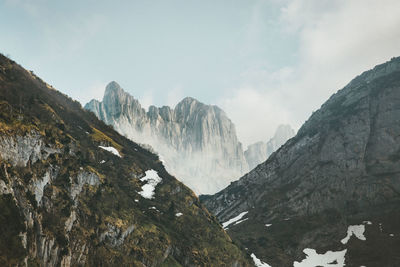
(340, 170)
(198, 142)
(74, 192)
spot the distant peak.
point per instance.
(113, 86)
(113, 89)
(186, 102)
(189, 99)
(284, 127)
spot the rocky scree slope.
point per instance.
(341, 169)
(73, 192)
(197, 142)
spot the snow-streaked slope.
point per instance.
(234, 219)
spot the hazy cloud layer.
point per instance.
(337, 41)
(265, 62)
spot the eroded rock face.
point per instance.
(83, 178)
(67, 201)
(342, 166)
(41, 244)
(20, 149)
(260, 151)
(197, 142)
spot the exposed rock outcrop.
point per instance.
(70, 191)
(342, 168)
(197, 142)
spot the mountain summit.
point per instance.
(197, 142)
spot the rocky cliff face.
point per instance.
(197, 142)
(73, 192)
(260, 151)
(341, 169)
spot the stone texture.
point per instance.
(60, 191)
(343, 165)
(20, 149)
(197, 142)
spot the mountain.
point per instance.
(260, 151)
(331, 193)
(74, 192)
(197, 142)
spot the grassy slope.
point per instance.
(26, 104)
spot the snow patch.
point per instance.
(111, 149)
(179, 214)
(357, 230)
(101, 162)
(392, 235)
(241, 221)
(268, 224)
(367, 222)
(329, 259)
(258, 262)
(235, 219)
(152, 180)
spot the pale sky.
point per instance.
(265, 62)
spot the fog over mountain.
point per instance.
(260, 151)
(74, 192)
(197, 142)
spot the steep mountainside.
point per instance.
(73, 192)
(197, 142)
(341, 169)
(260, 151)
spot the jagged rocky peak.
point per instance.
(283, 133)
(74, 192)
(339, 176)
(260, 151)
(113, 88)
(197, 142)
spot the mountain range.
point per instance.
(74, 192)
(197, 142)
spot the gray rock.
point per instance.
(345, 160)
(196, 142)
(19, 150)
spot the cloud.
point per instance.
(337, 41)
(256, 114)
(174, 96)
(146, 99)
(94, 91)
